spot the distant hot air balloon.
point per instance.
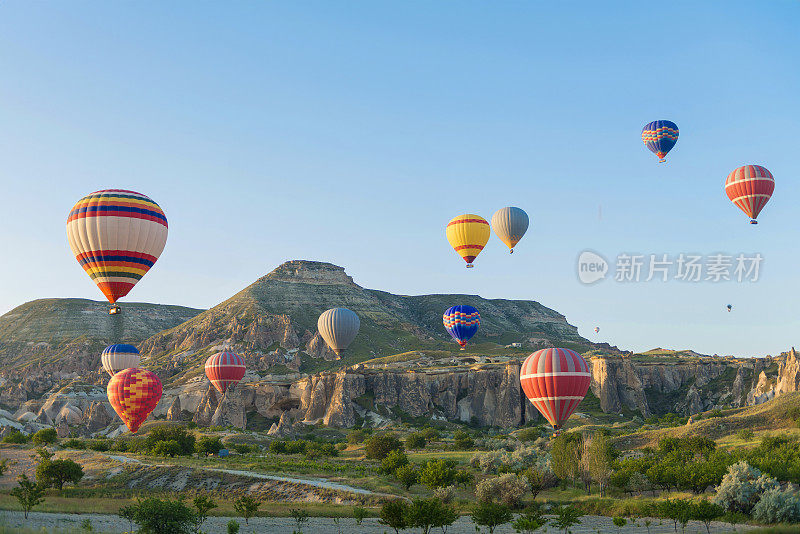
(596, 329)
(118, 357)
(510, 224)
(750, 187)
(555, 381)
(225, 369)
(134, 393)
(462, 323)
(468, 234)
(338, 327)
(116, 235)
(660, 137)
(729, 308)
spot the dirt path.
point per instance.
(110, 524)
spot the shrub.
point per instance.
(566, 517)
(507, 489)
(46, 436)
(102, 445)
(407, 475)
(446, 494)
(540, 478)
(233, 527)
(530, 521)
(354, 437)
(208, 445)
(777, 506)
(204, 504)
(379, 446)
(416, 441)
(462, 441)
(528, 434)
(393, 461)
(178, 434)
(243, 448)
(745, 434)
(741, 488)
(169, 448)
(430, 434)
(15, 436)
(437, 473)
(359, 513)
(491, 515)
(77, 444)
(121, 445)
(156, 516)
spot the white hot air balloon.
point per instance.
(118, 357)
(510, 224)
(338, 327)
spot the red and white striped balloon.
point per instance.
(225, 369)
(555, 381)
(750, 187)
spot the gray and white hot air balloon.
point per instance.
(510, 224)
(338, 327)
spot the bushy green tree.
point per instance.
(169, 448)
(540, 478)
(179, 434)
(246, 506)
(566, 517)
(393, 461)
(56, 473)
(565, 456)
(407, 475)
(394, 514)
(437, 473)
(379, 446)
(490, 514)
(203, 504)
(530, 521)
(157, 516)
(462, 441)
(426, 514)
(705, 511)
(28, 493)
(208, 445)
(416, 441)
(46, 436)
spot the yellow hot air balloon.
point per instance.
(468, 234)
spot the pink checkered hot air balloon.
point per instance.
(555, 381)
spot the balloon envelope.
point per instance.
(555, 381)
(116, 235)
(338, 327)
(468, 234)
(596, 329)
(750, 187)
(225, 369)
(134, 393)
(510, 224)
(660, 137)
(461, 322)
(118, 357)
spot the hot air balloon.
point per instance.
(118, 357)
(134, 393)
(224, 369)
(555, 381)
(468, 234)
(596, 329)
(338, 327)
(750, 187)
(116, 235)
(462, 323)
(510, 224)
(729, 308)
(660, 137)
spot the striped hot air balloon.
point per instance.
(462, 323)
(116, 235)
(225, 369)
(510, 224)
(338, 327)
(555, 381)
(134, 394)
(750, 187)
(468, 234)
(660, 137)
(118, 357)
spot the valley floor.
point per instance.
(108, 524)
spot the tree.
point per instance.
(204, 504)
(491, 515)
(46, 436)
(565, 456)
(671, 509)
(393, 515)
(705, 511)
(429, 513)
(462, 441)
(300, 517)
(178, 434)
(209, 445)
(437, 473)
(359, 513)
(742, 487)
(156, 516)
(598, 455)
(128, 513)
(530, 521)
(619, 522)
(566, 517)
(56, 473)
(464, 478)
(416, 441)
(233, 527)
(393, 461)
(169, 448)
(540, 478)
(443, 516)
(379, 446)
(28, 493)
(407, 476)
(507, 489)
(246, 507)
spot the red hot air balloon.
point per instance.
(555, 381)
(134, 393)
(750, 187)
(224, 369)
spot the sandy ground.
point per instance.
(112, 524)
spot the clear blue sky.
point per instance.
(351, 132)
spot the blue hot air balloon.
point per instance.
(462, 322)
(660, 137)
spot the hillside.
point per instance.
(273, 323)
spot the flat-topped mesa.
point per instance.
(310, 272)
